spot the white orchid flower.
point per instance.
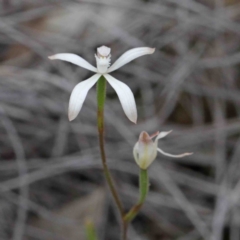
(124, 93)
(145, 150)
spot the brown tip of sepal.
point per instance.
(144, 137)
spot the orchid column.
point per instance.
(124, 93)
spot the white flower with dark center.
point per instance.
(145, 150)
(124, 93)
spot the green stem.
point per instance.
(143, 184)
(101, 95)
(143, 188)
(90, 231)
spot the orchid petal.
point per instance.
(174, 156)
(136, 153)
(75, 59)
(79, 94)
(162, 135)
(129, 56)
(125, 96)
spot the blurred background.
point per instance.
(50, 169)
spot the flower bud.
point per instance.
(145, 151)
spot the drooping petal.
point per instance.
(75, 59)
(174, 156)
(79, 94)
(129, 56)
(162, 135)
(125, 96)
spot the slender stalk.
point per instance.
(143, 188)
(101, 94)
(124, 229)
(90, 230)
